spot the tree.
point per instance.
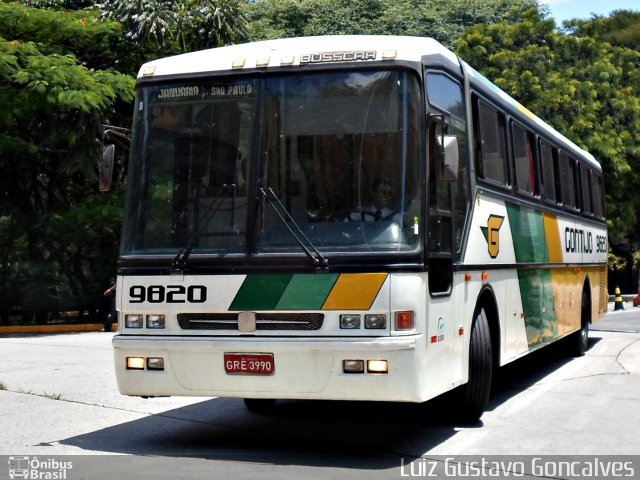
(589, 90)
(58, 237)
(442, 20)
(621, 28)
(95, 44)
(179, 25)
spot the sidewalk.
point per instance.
(74, 328)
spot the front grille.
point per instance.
(208, 321)
(264, 321)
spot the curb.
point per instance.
(85, 327)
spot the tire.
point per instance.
(259, 405)
(579, 341)
(476, 393)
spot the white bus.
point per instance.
(347, 218)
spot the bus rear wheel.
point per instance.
(579, 341)
(475, 394)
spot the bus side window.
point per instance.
(597, 191)
(524, 160)
(568, 177)
(585, 188)
(550, 175)
(490, 144)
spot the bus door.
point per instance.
(440, 228)
(447, 206)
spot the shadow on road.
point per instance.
(357, 435)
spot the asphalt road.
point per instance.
(58, 397)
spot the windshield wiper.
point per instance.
(180, 260)
(318, 259)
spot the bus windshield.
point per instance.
(243, 166)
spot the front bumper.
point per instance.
(305, 368)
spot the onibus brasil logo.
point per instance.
(35, 469)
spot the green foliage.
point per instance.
(58, 238)
(291, 18)
(616, 262)
(179, 25)
(588, 90)
(620, 28)
(439, 19)
(95, 43)
(444, 20)
(60, 4)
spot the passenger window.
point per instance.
(523, 159)
(597, 191)
(490, 144)
(550, 186)
(585, 188)
(568, 179)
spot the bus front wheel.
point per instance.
(475, 394)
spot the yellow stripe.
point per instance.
(553, 238)
(354, 291)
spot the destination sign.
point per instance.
(187, 92)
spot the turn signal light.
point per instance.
(405, 320)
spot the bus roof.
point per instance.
(336, 49)
(288, 52)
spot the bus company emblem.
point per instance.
(330, 57)
(492, 234)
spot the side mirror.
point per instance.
(105, 174)
(447, 166)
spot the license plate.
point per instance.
(249, 364)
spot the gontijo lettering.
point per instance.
(577, 240)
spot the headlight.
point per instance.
(133, 320)
(375, 320)
(349, 321)
(155, 321)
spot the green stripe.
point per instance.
(527, 231)
(307, 292)
(536, 286)
(536, 290)
(260, 292)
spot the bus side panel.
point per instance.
(542, 299)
